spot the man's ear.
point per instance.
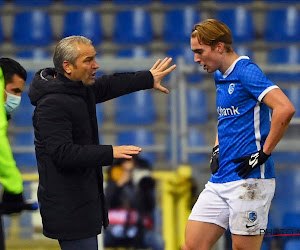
(220, 47)
(68, 67)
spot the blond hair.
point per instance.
(212, 31)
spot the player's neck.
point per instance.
(228, 61)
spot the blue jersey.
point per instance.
(244, 120)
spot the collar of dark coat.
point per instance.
(48, 81)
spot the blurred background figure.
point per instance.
(130, 193)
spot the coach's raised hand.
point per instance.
(159, 71)
(125, 152)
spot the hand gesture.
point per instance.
(250, 162)
(125, 152)
(159, 71)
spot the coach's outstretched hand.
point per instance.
(159, 71)
(250, 162)
(125, 152)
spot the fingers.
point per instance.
(126, 151)
(164, 64)
(155, 64)
(163, 89)
(169, 70)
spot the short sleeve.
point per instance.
(255, 81)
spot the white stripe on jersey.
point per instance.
(262, 95)
(258, 135)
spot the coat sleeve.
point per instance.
(54, 125)
(108, 87)
(10, 176)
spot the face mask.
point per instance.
(12, 103)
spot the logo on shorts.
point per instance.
(252, 216)
(231, 88)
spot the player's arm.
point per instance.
(283, 111)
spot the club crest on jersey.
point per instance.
(231, 88)
(252, 216)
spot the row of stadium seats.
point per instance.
(141, 137)
(137, 108)
(34, 28)
(122, 2)
(289, 55)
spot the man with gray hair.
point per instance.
(69, 157)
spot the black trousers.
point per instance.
(83, 244)
(2, 237)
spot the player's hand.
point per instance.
(214, 160)
(159, 71)
(125, 152)
(250, 162)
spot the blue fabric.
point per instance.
(87, 244)
(244, 121)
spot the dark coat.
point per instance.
(69, 157)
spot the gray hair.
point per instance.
(66, 51)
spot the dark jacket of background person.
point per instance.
(137, 194)
(68, 153)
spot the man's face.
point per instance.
(207, 57)
(85, 67)
(15, 86)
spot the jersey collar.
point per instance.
(230, 69)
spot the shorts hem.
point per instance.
(207, 221)
(244, 233)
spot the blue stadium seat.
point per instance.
(197, 106)
(25, 160)
(283, 1)
(294, 95)
(244, 51)
(287, 55)
(1, 2)
(266, 245)
(137, 2)
(196, 139)
(292, 244)
(178, 25)
(23, 115)
(1, 32)
(240, 21)
(188, 56)
(291, 220)
(24, 139)
(80, 2)
(136, 52)
(234, 1)
(37, 53)
(32, 28)
(282, 25)
(140, 138)
(135, 109)
(30, 76)
(85, 23)
(99, 113)
(133, 27)
(179, 1)
(33, 2)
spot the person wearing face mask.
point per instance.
(12, 79)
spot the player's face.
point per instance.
(15, 86)
(85, 67)
(206, 56)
